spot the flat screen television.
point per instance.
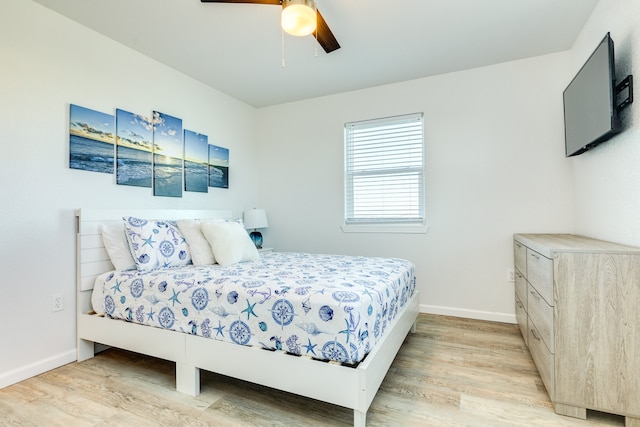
(590, 114)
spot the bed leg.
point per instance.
(413, 328)
(359, 418)
(86, 350)
(187, 379)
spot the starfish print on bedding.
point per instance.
(174, 298)
(219, 329)
(347, 331)
(249, 309)
(116, 287)
(310, 347)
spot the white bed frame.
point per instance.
(358, 386)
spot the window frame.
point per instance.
(384, 225)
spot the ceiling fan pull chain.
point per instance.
(315, 32)
(282, 45)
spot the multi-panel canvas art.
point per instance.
(134, 149)
(218, 167)
(168, 151)
(196, 161)
(153, 152)
(91, 139)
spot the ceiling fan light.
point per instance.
(298, 17)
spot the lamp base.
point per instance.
(256, 237)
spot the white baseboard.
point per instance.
(468, 314)
(36, 368)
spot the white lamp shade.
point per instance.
(255, 218)
(298, 17)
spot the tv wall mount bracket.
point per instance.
(626, 84)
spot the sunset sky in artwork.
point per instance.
(134, 130)
(167, 135)
(91, 124)
(196, 147)
(218, 156)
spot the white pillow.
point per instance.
(229, 242)
(115, 242)
(198, 246)
(156, 243)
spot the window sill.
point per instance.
(385, 228)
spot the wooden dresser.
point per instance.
(578, 307)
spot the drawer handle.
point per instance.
(535, 295)
(518, 245)
(535, 334)
(535, 256)
(519, 275)
(519, 304)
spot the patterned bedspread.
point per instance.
(329, 307)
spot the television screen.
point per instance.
(589, 112)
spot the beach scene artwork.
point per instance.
(196, 161)
(91, 139)
(218, 167)
(168, 152)
(146, 151)
(134, 149)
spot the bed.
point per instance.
(291, 334)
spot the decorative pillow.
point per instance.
(155, 243)
(229, 242)
(115, 242)
(198, 246)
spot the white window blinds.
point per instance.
(384, 170)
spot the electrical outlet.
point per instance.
(511, 275)
(57, 302)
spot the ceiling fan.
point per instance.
(307, 9)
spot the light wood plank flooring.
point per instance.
(451, 372)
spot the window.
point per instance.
(384, 172)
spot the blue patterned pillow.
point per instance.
(156, 244)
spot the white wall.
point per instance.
(495, 166)
(47, 62)
(607, 179)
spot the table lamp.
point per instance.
(254, 219)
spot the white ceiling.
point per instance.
(237, 48)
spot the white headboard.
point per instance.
(92, 258)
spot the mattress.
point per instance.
(328, 307)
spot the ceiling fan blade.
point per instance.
(324, 35)
(277, 2)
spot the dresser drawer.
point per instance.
(541, 314)
(540, 274)
(520, 257)
(544, 360)
(521, 317)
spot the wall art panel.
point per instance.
(168, 152)
(134, 149)
(196, 159)
(91, 140)
(218, 166)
